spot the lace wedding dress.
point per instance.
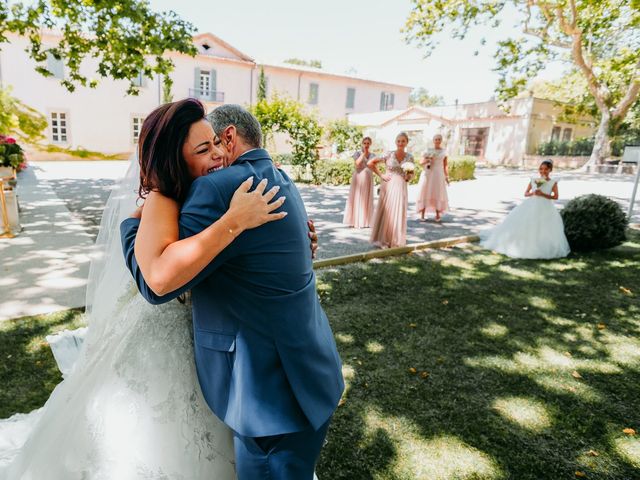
(534, 229)
(131, 406)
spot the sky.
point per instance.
(358, 36)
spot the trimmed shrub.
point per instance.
(334, 172)
(594, 222)
(460, 168)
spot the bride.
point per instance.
(131, 408)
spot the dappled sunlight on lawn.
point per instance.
(528, 413)
(489, 368)
(629, 448)
(443, 457)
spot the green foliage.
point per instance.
(127, 38)
(339, 172)
(335, 172)
(280, 114)
(167, 96)
(282, 158)
(18, 119)
(460, 168)
(82, 153)
(594, 222)
(346, 136)
(420, 96)
(262, 86)
(573, 148)
(11, 154)
(304, 63)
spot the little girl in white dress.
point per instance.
(534, 229)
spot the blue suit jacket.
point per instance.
(265, 354)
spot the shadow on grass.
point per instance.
(28, 371)
(463, 364)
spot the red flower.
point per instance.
(22, 166)
(10, 140)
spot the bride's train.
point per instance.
(131, 408)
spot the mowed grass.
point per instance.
(28, 371)
(464, 364)
(460, 364)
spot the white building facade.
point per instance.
(483, 130)
(106, 119)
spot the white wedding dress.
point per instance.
(131, 407)
(534, 229)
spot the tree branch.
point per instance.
(630, 96)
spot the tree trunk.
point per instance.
(601, 148)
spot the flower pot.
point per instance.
(7, 172)
(11, 201)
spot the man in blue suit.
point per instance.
(265, 354)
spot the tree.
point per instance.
(125, 36)
(19, 119)
(600, 38)
(306, 63)
(344, 135)
(262, 85)
(420, 96)
(280, 114)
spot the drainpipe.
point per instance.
(253, 67)
(299, 79)
(159, 89)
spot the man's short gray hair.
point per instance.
(246, 124)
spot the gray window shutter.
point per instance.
(55, 66)
(392, 101)
(213, 78)
(382, 101)
(196, 83)
(351, 97)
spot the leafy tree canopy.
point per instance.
(126, 37)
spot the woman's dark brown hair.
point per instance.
(162, 136)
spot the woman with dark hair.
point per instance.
(358, 211)
(534, 229)
(131, 405)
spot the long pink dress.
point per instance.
(390, 220)
(358, 212)
(432, 187)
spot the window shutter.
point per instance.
(213, 78)
(351, 97)
(381, 101)
(196, 83)
(55, 66)
(392, 101)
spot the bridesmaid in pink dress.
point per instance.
(432, 189)
(390, 219)
(359, 210)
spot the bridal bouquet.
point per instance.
(539, 182)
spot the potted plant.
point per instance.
(12, 158)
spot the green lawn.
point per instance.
(28, 371)
(460, 364)
(531, 368)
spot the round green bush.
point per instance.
(594, 222)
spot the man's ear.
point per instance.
(230, 136)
